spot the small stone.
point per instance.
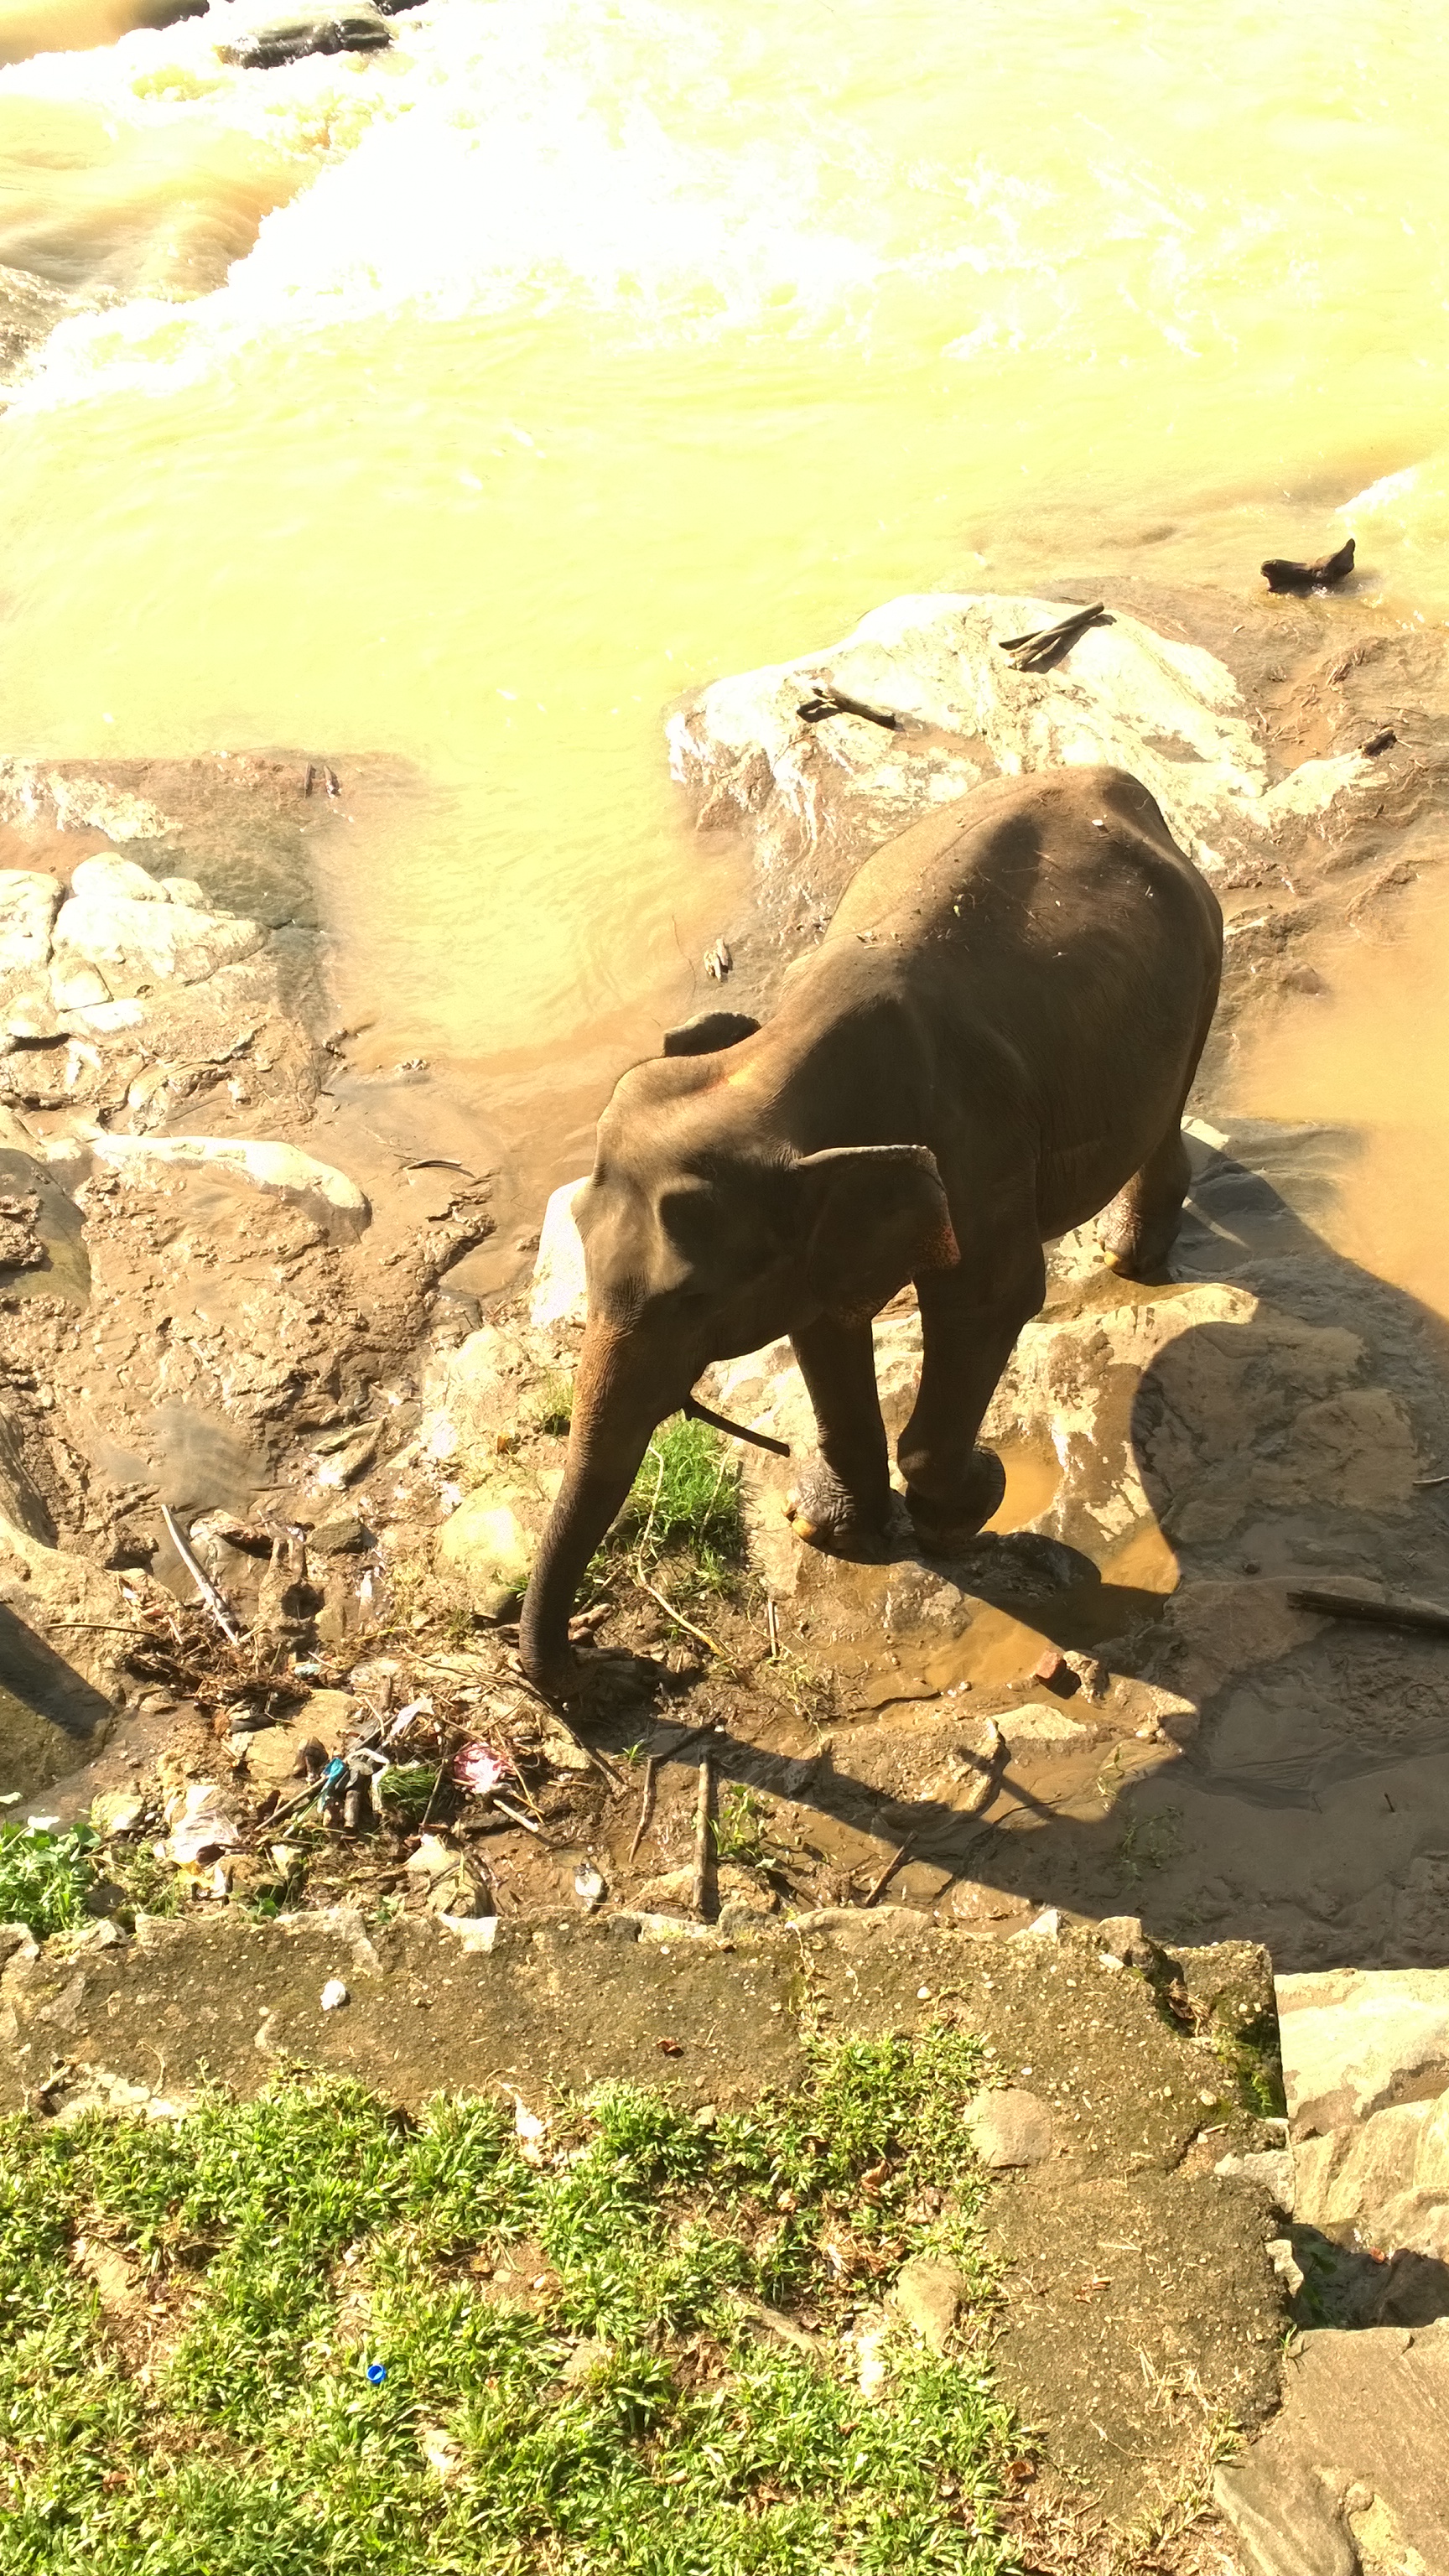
(1009, 2128)
(586, 2358)
(1121, 1939)
(477, 1932)
(1046, 1926)
(560, 1289)
(271, 1755)
(334, 1995)
(1092, 1673)
(344, 1535)
(484, 1541)
(1271, 2169)
(928, 2294)
(117, 1812)
(1039, 1726)
(434, 1859)
(1053, 1669)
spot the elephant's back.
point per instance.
(1035, 871)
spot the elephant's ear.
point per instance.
(712, 1031)
(874, 1216)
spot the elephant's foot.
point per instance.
(827, 1515)
(1137, 1232)
(1140, 1252)
(944, 1521)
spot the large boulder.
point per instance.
(122, 933)
(29, 902)
(817, 796)
(1356, 2040)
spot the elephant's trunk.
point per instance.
(617, 1407)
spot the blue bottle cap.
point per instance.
(377, 2372)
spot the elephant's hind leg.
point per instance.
(1140, 1227)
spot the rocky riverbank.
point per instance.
(224, 1272)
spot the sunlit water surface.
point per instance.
(468, 403)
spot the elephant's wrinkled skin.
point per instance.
(993, 1041)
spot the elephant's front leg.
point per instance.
(842, 1497)
(952, 1486)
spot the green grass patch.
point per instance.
(685, 1506)
(45, 1877)
(258, 2341)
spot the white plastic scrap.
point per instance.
(334, 1993)
(200, 1826)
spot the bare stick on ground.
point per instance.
(1396, 1612)
(879, 1885)
(646, 1811)
(210, 1597)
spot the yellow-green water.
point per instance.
(470, 402)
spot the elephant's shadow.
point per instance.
(1290, 1423)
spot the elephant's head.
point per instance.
(705, 1235)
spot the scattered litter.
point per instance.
(335, 1994)
(444, 2456)
(405, 1716)
(377, 2372)
(200, 1827)
(670, 2047)
(1383, 740)
(478, 1768)
(529, 2130)
(477, 1932)
(589, 1885)
(12, 1798)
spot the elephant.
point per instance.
(992, 1043)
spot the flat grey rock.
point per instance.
(1357, 2040)
(928, 2295)
(1358, 2455)
(1010, 2128)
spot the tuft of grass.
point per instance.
(686, 1504)
(554, 1408)
(148, 1885)
(739, 1832)
(224, 2413)
(45, 1877)
(408, 1790)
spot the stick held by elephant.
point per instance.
(694, 1411)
